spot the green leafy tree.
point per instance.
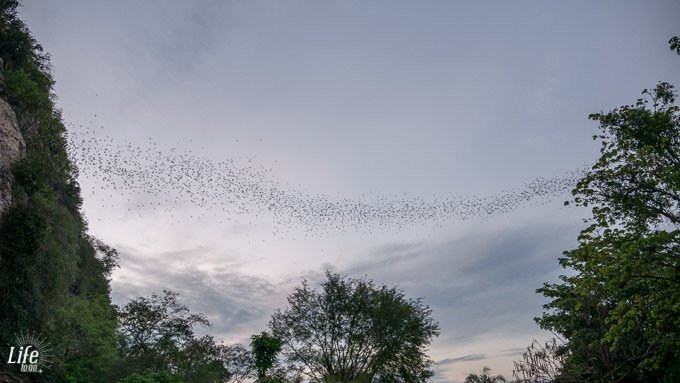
(619, 310)
(156, 336)
(154, 331)
(157, 321)
(265, 349)
(484, 377)
(352, 330)
(86, 339)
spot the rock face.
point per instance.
(12, 148)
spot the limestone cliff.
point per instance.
(12, 148)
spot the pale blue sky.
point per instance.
(346, 98)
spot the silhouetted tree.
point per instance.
(484, 377)
(353, 330)
(541, 363)
(156, 335)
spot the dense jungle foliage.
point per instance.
(53, 276)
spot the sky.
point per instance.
(353, 105)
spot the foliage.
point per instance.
(86, 339)
(54, 277)
(619, 309)
(156, 321)
(200, 360)
(156, 334)
(353, 330)
(153, 377)
(484, 377)
(239, 362)
(265, 349)
(34, 239)
(541, 363)
(674, 42)
(153, 330)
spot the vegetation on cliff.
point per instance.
(53, 276)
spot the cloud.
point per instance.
(238, 304)
(479, 284)
(464, 358)
(515, 351)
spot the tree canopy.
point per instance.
(265, 350)
(541, 363)
(352, 330)
(156, 336)
(484, 377)
(619, 308)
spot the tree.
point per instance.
(265, 350)
(484, 377)
(541, 363)
(157, 337)
(619, 309)
(156, 322)
(239, 362)
(674, 42)
(352, 330)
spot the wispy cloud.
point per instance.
(238, 304)
(464, 358)
(480, 282)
